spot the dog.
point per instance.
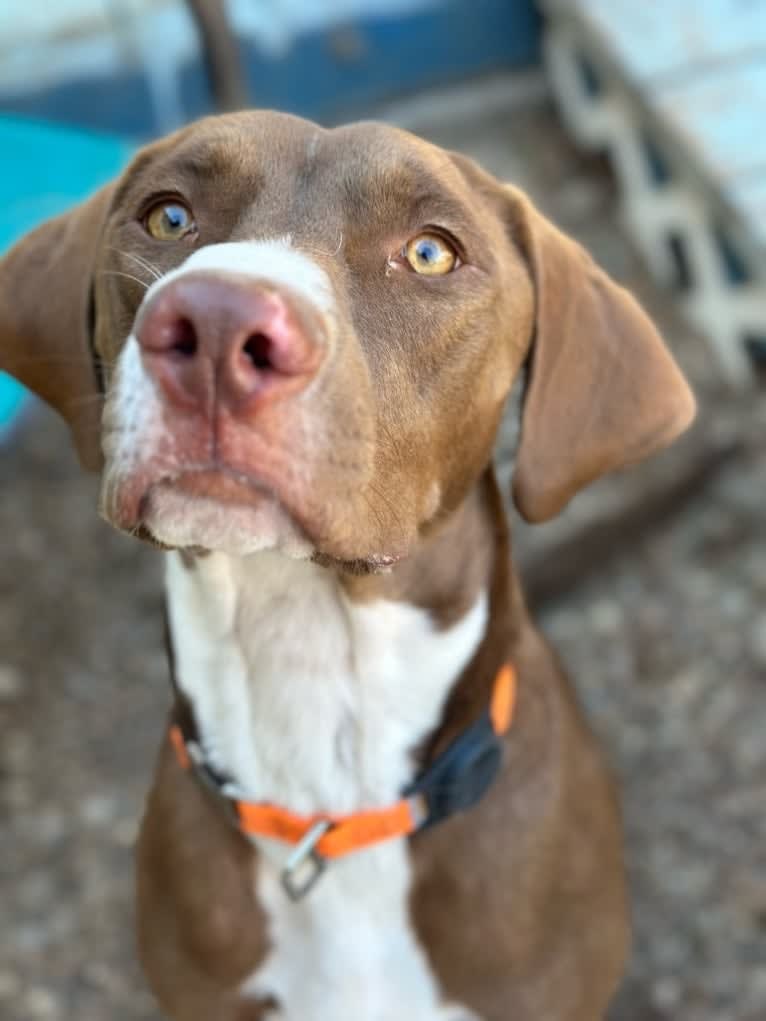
(287, 350)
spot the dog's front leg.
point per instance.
(200, 930)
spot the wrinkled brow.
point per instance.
(413, 190)
(438, 206)
(182, 169)
(210, 160)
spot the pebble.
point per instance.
(97, 810)
(667, 992)
(10, 682)
(757, 983)
(606, 617)
(125, 832)
(10, 985)
(40, 1003)
(101, 976)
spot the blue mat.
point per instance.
(44, 169)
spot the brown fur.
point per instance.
(520, 903)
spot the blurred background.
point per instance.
(639, 129)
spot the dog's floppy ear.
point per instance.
(603, 391)
(45, 299)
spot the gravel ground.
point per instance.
(667, 646)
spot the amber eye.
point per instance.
(169, 221)
(430, 255)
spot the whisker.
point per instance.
(143, 263)
(307, 246)
(146, 265)
(128, 276)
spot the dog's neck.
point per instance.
(315, 691)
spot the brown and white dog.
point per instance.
(305, 340)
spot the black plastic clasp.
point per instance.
(212, 782)
(459, 777)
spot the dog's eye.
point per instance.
(169, 221)
(430, 255)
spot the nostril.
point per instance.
(183, 338)
(258, 349)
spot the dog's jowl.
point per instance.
(287, 350)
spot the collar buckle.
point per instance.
(305, 864)
(210, 781)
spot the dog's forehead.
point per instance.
(279, 155)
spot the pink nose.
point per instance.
(212, 340)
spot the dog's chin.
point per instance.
(175, 518)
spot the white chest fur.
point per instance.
(316, 703)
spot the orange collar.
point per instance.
(455, 780)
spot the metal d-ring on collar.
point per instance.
(304, 864)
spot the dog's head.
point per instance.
(305, 339)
